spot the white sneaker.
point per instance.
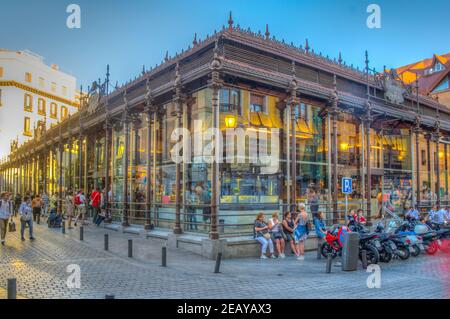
(263, 257)
(282, 256)
(301, 257)
(273, 256)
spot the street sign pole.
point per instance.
(346, 208)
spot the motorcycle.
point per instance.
(331, 246)
(334, 242)
(431, 239)
(371, 244)
(391, 245)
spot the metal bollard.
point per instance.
(130, 248)
(164, 257)
(364, 259)
(319, 245)
(12, 288)
(106, 242)
(218, 260)
(329, 262)
(109, 297)
(63, 227)
(81, 233)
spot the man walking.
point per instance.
(80, 203)
(17, 202)
(26, 212)
(36, 206)
(95, 203)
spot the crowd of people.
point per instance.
(32, 208)
(436, 214)
(293, 230)
(273, 234)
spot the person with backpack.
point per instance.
(80, 204)
(6, 209)
(26, 217)
(36, 205)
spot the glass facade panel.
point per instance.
(138, 170)
(116, 197)
(312, 151)
(350, 157)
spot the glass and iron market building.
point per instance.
(332, 121)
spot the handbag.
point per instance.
(267, 236)
(12, 226)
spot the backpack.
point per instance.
(77, 200)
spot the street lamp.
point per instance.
(230, 121)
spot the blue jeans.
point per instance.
(98, 220)
(264, 243)
(22, 227)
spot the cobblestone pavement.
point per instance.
(40, 269)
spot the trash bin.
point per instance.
(350, 251)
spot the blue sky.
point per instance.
(128, 34)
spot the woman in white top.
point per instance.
(276, 231)
(81, 207)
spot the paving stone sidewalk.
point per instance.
(41, 271)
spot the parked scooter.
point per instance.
(429, 237)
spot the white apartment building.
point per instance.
(31, 91)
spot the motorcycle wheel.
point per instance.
(326, 249)
(404, 253)
(372, 254)
(385, 257)
(415, 250)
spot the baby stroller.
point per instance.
(54, 220)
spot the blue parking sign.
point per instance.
(347, 185)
